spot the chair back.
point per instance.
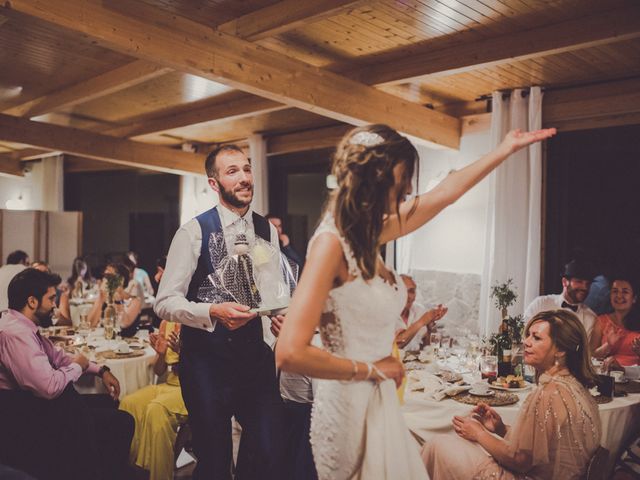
(183, 437)
(597, 466)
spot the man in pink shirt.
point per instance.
(47, 428)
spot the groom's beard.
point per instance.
(44, 318)
(231, 197)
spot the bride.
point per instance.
(357, 430)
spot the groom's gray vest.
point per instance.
(212, 251)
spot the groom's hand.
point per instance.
(230, 314)
(276, 324)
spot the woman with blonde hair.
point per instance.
(347, 292)
(558, 427)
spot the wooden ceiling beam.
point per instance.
(610, 98)
(593, 106)
(10, 166)
(284, 16)
(221, 108)
(75, 164)
(243, 65)
(99, 147)
(33, 153)
(597, 29)
(131, 74)
(326, 137)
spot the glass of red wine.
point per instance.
(489, 367)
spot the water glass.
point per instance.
(84, 321)
(434, 341)
(445, 345)
(489, 367)
(109, 328)
(459, 348)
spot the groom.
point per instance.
(226, 368)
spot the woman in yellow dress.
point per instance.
(157, 408)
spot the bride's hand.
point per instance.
(517, 139)
(391, 368)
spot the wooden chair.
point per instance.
(597, 467)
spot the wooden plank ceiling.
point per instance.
(212, 71)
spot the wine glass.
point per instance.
(459, 348)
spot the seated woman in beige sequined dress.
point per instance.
(557, 430)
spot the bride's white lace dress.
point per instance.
(357, 430)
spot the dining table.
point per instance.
(130, 360)
(426, 415)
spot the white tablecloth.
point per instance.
(426, 417)
(132, 373)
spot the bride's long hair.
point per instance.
(363, 167)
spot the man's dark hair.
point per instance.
(17, 257)
(30, 283)
(210, 163)
(272, 215)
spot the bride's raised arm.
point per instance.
(416, 212)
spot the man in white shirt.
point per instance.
(16, 262)
(226, 368)
(576, 280)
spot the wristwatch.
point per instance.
(102, 370)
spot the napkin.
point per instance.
(450, 391)
(434, 387)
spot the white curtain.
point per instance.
(258, 156)
(514, 216)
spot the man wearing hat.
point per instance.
(576, 280)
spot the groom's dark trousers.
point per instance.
(225, 374)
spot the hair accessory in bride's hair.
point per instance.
(366, 139)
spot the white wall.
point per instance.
(453, 241)
(22, 193)
(196, 197)
(41, 188)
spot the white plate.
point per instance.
(623, 380)
(527, 386)
(482, 393)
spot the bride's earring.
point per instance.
(557, 362)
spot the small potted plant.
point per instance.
(111, 284)
(510, 333)
(504, 296)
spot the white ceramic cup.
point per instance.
(480, 387)
(124, 348)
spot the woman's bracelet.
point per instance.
(355, 370)
(377, 371)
